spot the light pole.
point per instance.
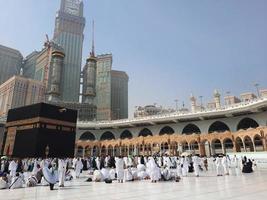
(176, 104)
(257, 88)
(201, 103)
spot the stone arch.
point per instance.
(218, 126)
(194, 146)
(249, 146)
(185, 146)
(247, 123)
(110, 150)
(228, 145)
(258, 143)
(126, 134)
(174, 148)
(116, 150)
(216, 146)
(87, 136)
(164, 147)
(79, 151)
(145, 132)
(87, 151)
(166, 130)
(131, 149)
(190, 129)
(103, 150)
(95, 151)
(239, 144)
(107, 136)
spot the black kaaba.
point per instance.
(40, 130)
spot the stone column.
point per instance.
(245, 148)
(92, 151)
(83, 152)
(169, 149)
(223, 148)
(75, 151)
(264, 144)
(234, 147)
(201, 148)
(254, 147)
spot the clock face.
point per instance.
(72, 7)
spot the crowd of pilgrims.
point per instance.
(16, 173)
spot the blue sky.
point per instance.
(169, 48)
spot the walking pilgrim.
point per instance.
(120, 169)
(78, 167)
(196, 164)
(62, 166)
(13, 168)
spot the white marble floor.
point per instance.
(208, 186)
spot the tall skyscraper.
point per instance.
(20, 91)
(103, 86)
(29, 65)
(119, 95)
(68, 33)
(10, 63)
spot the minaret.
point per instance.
(193, 103)
(57, 62)
(89, 75)
(217, 99)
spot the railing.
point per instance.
(178, 114)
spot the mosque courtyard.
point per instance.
(207, 186)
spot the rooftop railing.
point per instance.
(231, 107)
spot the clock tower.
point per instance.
(68, 33)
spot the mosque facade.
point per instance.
(240, 126)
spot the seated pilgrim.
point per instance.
(105, 173)
(166, 174)
(247, 167)
(97, 176)
(112, 174)
(128, 176)
(134, 173)
(3, 181)
(68, 176)
(16, 182)
(32, 181)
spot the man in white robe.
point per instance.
(159, 161)
(12, 168)
(35, 167)
(178, 167)
(97, 160)
(120, 169)
(196, 163)
(62, 166)
(235, 165)
(219, 166)
(225, 163)
(154, 171)
(78, 167)
(185, 165)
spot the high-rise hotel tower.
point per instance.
(68, 33)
